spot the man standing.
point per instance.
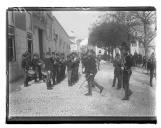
(69, 69)
(117, 71)
(26, 65)
(37, 63)
(90, 71)
(152, 66)
(54, 67)
(126, 75)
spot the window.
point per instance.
(20, 20)
(11, 44)
(29, 43)
(55, 37)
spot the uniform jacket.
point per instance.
(90, 65)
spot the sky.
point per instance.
(77, 23)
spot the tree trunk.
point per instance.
(108, 53)
(112, 53)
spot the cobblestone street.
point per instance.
(62, 100)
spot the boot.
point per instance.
(125, 98)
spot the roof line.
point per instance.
(61, 26)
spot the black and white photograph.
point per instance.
(81, 64)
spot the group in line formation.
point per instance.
(51, 68)
(122, 70)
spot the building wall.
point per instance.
(33, 24)
(15, 70)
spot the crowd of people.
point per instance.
(122, 69)
(51, 68)
(142, 61)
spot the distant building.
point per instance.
(36, 32)
(75, 44)
(136, 47)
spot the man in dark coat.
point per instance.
(27, 65)
(126, 75)
(48, 69)
(69, 69)
(152, 67)
(117, 63)
(37, 66)
(90, 71)
(54, 67)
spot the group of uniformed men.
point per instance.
(54, 65)
(122, 71)
(51, 68)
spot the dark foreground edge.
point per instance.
(76, 119)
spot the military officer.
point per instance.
(90, 71)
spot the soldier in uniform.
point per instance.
(127, 74)
(26, 65)
(117, 63)
(90, 71)
(152, 66)
(69, 69)
(48, 69)
(63, 66)
(54, 68)
(37, 66)
(58, 68)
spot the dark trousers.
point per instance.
(59, 74)
(54, 76)
(69, 77)
(118, 76)
(92, 83)
(151, 76)
(126, 79)
(28, 78)
(38, 72)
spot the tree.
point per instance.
(147, 25)
(109, 35)
(140, 25)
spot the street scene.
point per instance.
(81, 63)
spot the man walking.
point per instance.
(90, 71)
